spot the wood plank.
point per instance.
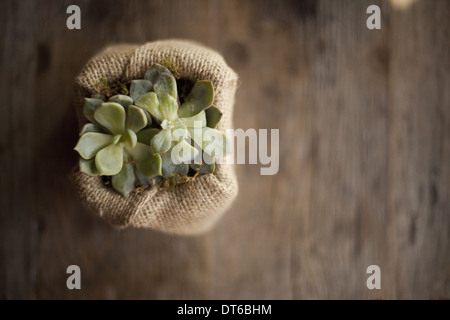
(418, 201)
(17, 231)
(338, 225)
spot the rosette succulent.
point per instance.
(154, 131)
(109, 145)
(188, 129)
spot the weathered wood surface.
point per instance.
(364, 119)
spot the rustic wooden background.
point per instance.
(364, 119)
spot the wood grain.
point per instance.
(364, 119)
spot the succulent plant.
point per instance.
(153, 131)
(186, 130)
(109, 145)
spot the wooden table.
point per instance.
(364, 120)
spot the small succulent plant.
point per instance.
(157, 94)
(155, 132)
(109, 145)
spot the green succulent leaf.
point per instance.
(202, 158)
(99, 96)
(162, 141)
(109, 160)
(141, 178)
(111, 116)
(125, 180)
(154, 72)
(170, 169)
(145, 160)
(146, 135)
(149, 117)
(196, 134)
(168, 107)
(150, 103)
(214, 142)
(197, 121)
(116, 139)
(90, 127)
(179, 124)
(208, 168)
(166, 84)
(121, 99)
(88, 166)
(183, 152)
(179, 130)
(130, 138)
(200, 98)
(208, 160)
(139, 87)
(90, 105)
(92, 142)
(136, 119)
(163, 80)
(213, 116)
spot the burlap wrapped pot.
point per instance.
(178, 211)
